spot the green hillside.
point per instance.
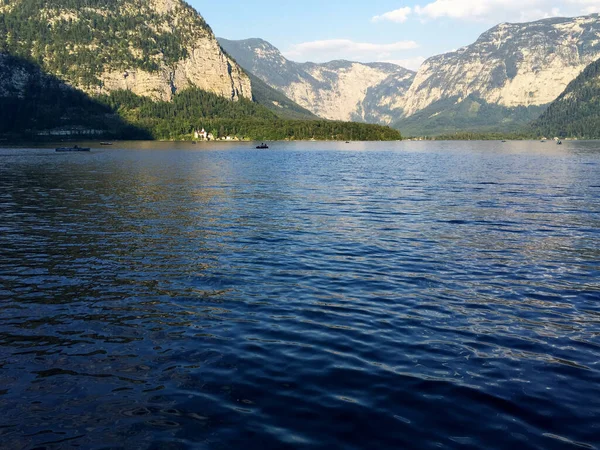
(472, 115)
(80, 39)
(576, 112)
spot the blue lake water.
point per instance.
(314, 295)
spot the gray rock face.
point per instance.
(339, 90)
(206, 66)
(511, 65)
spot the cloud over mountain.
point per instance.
(491, 10)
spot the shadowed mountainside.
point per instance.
(37, 104)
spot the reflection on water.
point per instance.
(411, 295)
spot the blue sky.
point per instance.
(405, 32)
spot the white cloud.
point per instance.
(586, 6)
(493, 11)
(321, 51)
(398, 15)
(487, 10)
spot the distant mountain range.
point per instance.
(338, 90)
(144, 68)
(136, 60)
(503, 81)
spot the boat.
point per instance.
(559, 142)
(106, 143)
(504, 142)
(262, 146)
(73, 149)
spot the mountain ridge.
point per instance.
(336, 90)
(153, 48)
(510, 65)
(507, 78)
(147, 67)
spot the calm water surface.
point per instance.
(361, 296)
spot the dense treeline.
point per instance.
(576, 113)
(188, 104)
(79, 39)
(492, 136)
(194, 109)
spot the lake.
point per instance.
(314, 295)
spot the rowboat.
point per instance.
(73, 149)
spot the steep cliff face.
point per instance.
(511, 65)
(339, 90)
(153, 48)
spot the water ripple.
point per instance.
(394, 296)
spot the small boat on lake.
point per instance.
(559, 142)
(262, 146)
(106, 143)
(75, 148)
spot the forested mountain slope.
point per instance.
(576, 112)
(151, 47)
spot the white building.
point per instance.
(203, 135)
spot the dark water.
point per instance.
(362, 296)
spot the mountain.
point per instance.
(472, 114)
(153, 48)
(576, 112)
(339, 90)
(137, 68)
(510, 67)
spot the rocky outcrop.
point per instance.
(339, 90)
(511, 65)
(150, 47)
(207, 67)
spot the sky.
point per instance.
(403, 32)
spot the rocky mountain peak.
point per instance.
(510, 65)
(151, 47)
